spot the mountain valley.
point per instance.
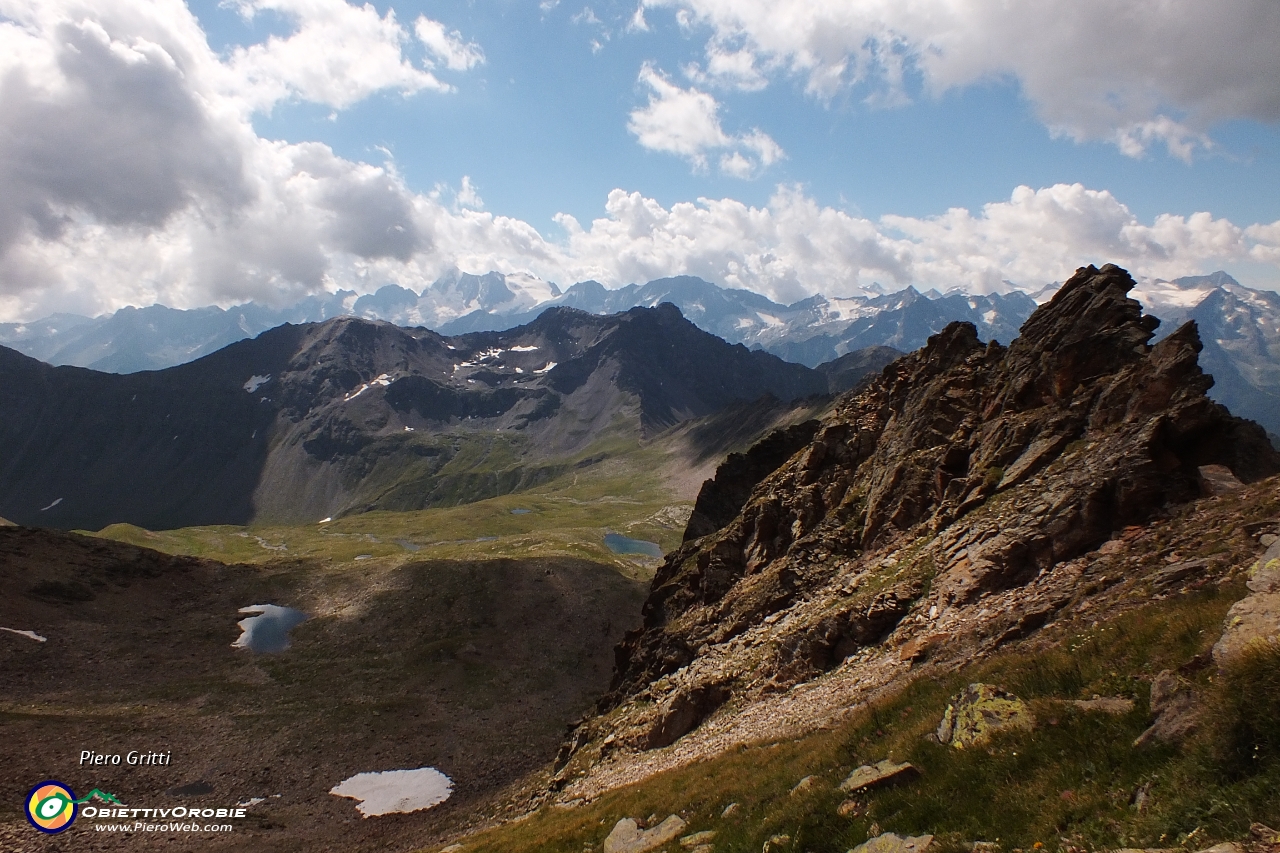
(1032, 571)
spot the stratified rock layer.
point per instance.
(966, 470)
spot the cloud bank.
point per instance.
(1136, 73)
(130, 174)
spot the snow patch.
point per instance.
(523, 349)
(58, 501)
(550, 366)
(253, 383)
(32, 634)
(395, 791)
(383, 380)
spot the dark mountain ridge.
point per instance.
(319, 419)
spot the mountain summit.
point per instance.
(316, 420)
(942, 507)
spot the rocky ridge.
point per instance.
(970, 496)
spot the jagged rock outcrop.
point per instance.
(965, 470)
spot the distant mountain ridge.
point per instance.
(1241, 326)
(316, 420)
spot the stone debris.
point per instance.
(628, 837)
(1101, 704)
(729, 810)
(1175, 709)
(802, 786)
(880, 774)
(978, 712)
(776, 843)
(698, 839)
(1264, 833)
(1170, 577)
(891, 843)
(849, 808)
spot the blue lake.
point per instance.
(521, 511)
(620, 544)
(267, 631)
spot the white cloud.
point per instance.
(686, 122)
(794, 247)
(587, 16)
(467, 196)
(730, 69)
(638, 24)
(338, 55)
(130, 174)
(1134, 72)
(448, 47)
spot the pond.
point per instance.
(267, 631)
(620, 544)
(395, 791)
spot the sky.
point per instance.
(219, 152)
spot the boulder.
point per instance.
(876, 775)
(1253, 619)
(628, 837)
(979, 711)
(890, 843)
(1176, 711)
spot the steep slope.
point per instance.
(311, 421)
(939, 513)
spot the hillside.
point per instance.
(314, 421)
(979, 513)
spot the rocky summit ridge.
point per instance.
(957, 503)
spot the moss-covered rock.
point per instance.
(979, 711)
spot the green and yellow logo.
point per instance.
(52, 807)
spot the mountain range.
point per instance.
(1241, 326)
(318, 420)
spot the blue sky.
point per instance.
(265, 149)
(541, 128)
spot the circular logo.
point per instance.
(51, 807)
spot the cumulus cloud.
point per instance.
(793, 247)
(338, 54)
(448, 47)
(130, 174)
(1137, 72)
(686, 122)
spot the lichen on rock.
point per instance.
(978, 712)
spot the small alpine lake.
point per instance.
(619, 544)
(266, 631)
